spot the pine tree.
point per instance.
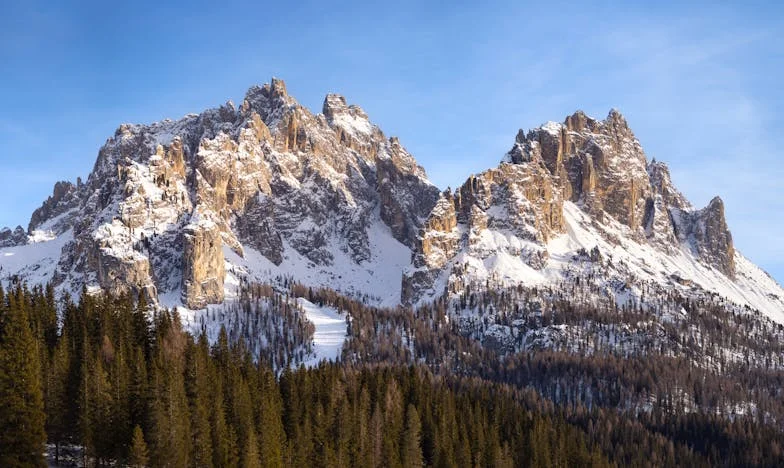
(224, 444)
(139, 456)
(250, 456)
(411, 455)
(170, 434)
(141, 325)
(198, 388)
(270, 419)
(55, 399)
(22, 416)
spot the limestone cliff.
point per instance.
(283, 190)
(508, 221)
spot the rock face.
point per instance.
(501, 224)
(185, 211)
(9, 238)
(597, 162)
(705, 231)
(64, 199)
(203, 271)
(284, 190)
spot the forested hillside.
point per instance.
(119, 384)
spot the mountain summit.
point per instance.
(566, 189)
(181, 210)
(185, 211)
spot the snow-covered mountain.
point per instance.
(187, 210)
(183, 209)
(582, 190)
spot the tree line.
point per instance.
(129, 386)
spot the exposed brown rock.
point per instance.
(129, 274)
(706, 232)
(203, 272)
(440, 240)
(63, 199)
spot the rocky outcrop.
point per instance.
(440, 240)
(123, 275)
(520, 202)
(661, 184)
(706, 233)
(63, 199)
(203, 266)
(270, 176)
(404, 200)
(256, 227)
(9, 238)
(596, 162)
(506, 217)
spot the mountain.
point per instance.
(181, 210)
(580, 198)
(207, 255)
(187, 211)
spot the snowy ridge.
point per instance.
(579, 199)
(181, 209)
(186, 211)
(35, 262)
(501, 258)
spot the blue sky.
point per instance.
(700, 85)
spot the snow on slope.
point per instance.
(499, 256)
(330, 334)
(376, 281)
(34, 262)
(752, 286)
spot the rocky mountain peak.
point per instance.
(661, 183)
(12, 238)
(598, 163)
(706, 233)
(63, 198)
(334, 104)
(278, 88)
(270, 101)
(582, 182)
(184, 210)
(335, 107)
(579, 122)
(174, 208)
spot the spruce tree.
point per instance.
(270, 419)
(55, 399)
(139, 455)
(198, 388)
(22, 416)
(411, 455)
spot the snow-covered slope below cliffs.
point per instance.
(374, 281)
(680, 269)
(608, 254)
(330, 332)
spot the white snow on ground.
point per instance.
(380, 278)
(496, 254)
(330, 334)
(355, 125)
(35, 262)
(751, 286)
(41, 236)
